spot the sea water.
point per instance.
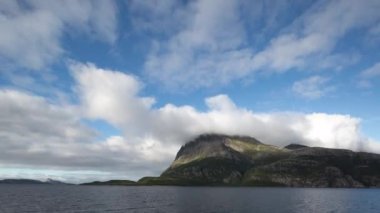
(72, 198)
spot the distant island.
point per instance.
(31, 181)
(113, 182)
(222, 160)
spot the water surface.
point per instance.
(56, 198)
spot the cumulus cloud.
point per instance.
(31, 30)
(313, 87)
(30, 125)
(212, 46)
(171, 124)
(40, 134)
(102, 96)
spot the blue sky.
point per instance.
(128, 82)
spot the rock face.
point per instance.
(319, 167)
(234, 160)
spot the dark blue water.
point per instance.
(49, 198)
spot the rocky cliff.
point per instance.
(234, 160)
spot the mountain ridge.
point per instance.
(216, 159)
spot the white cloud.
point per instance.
(373, 71)
(366, 76)
(157, 16)
(40, 135)
(31, 31)
(172, 124)
(110, 95)
(212, 46)
(314, 35)
(36, 133)
(313, 87)
(374, 33)
(31, 125)
(203, 51)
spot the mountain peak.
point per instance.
(295, 146)
(214, 145)
(220, 137)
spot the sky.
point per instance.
(99, 90)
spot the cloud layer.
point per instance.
(212, 44)
(313, 87)
(368, 75)
(38, 133)
(31, 31)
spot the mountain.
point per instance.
(54, 182)
(21, 181)
(214, 159)
(30, 181)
